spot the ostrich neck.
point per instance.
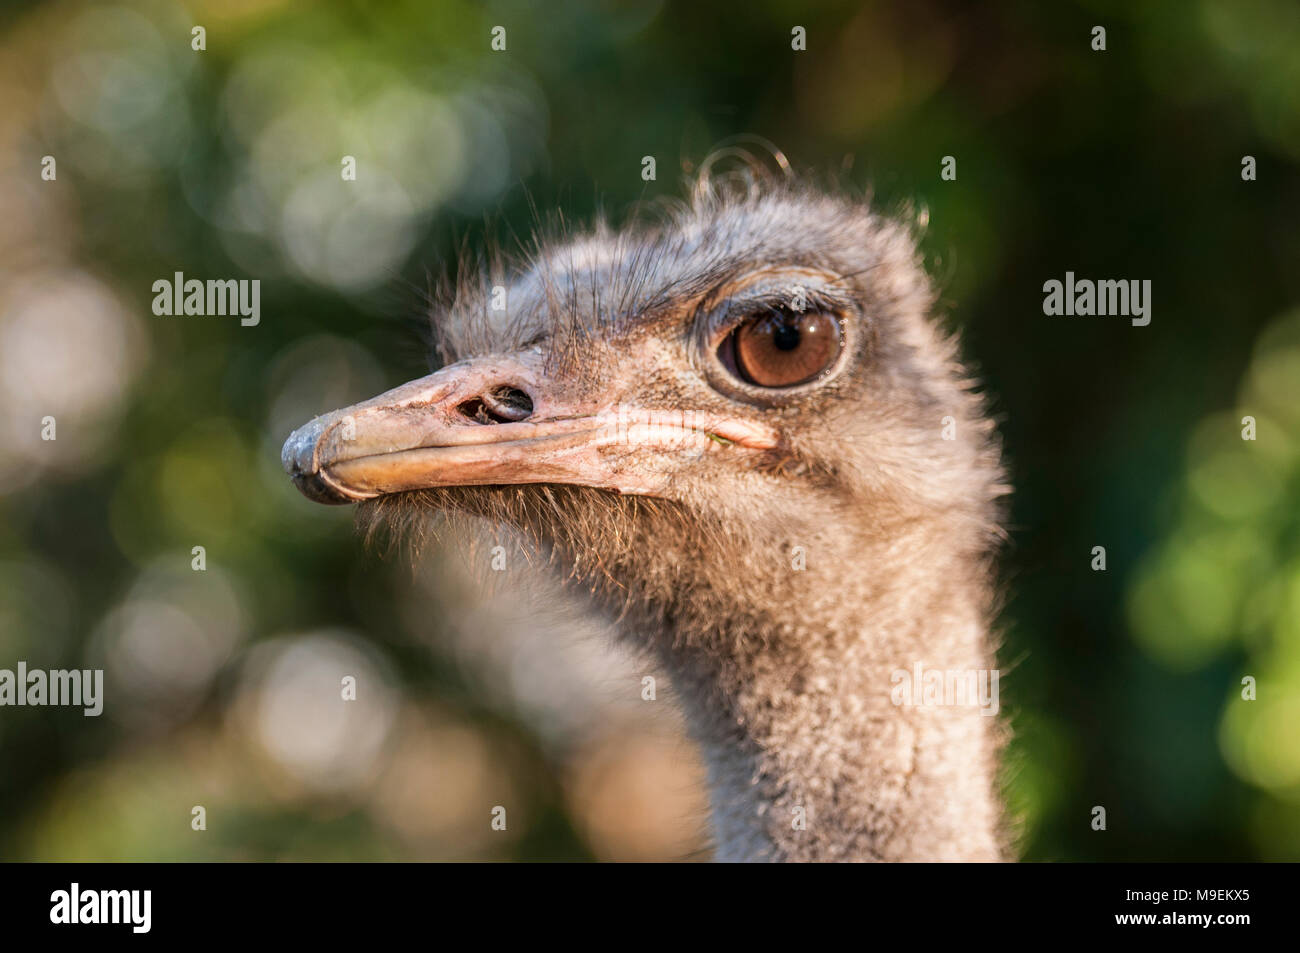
(795, 703)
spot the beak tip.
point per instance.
(287, 455)
(296, 457)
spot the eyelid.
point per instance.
(731, 311)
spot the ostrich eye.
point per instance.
(780, 349)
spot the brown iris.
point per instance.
(779, 349)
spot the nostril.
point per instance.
(500, 405)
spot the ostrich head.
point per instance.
(665, 403)
(738, 426)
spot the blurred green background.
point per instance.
(1123, 687)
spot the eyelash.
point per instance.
(732, 313)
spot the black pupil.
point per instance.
(786, 337)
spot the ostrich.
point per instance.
(736, 428)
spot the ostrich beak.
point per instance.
(492, 421)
